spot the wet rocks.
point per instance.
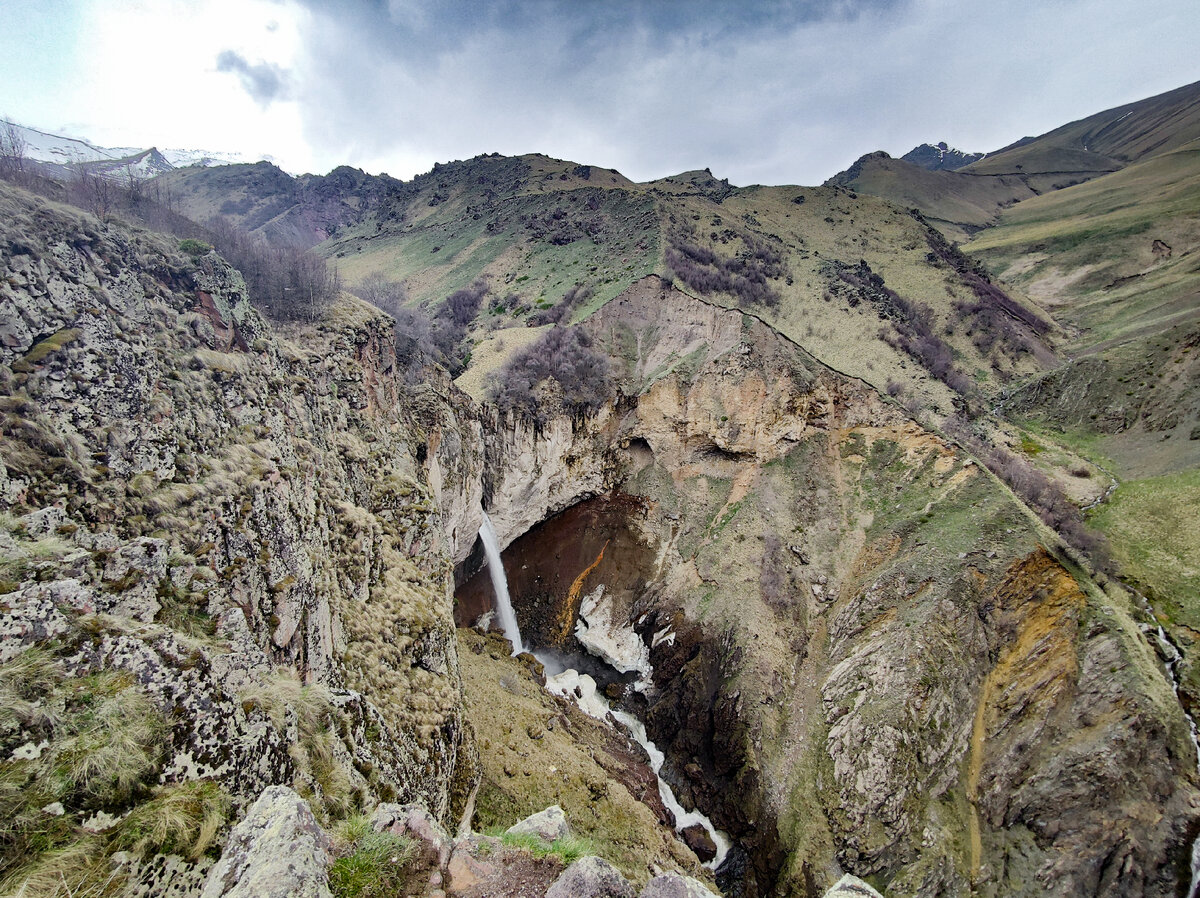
(697, 838)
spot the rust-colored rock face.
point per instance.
(595, 543)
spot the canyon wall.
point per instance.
(867, 654)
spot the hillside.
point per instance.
(940, 157)
(822, 265)
(1102, 142)
(972, 196)
(785, 487)
(959, 205)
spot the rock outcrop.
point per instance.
(591, 877)
(277, 851)
(232, 519)
(866, 653)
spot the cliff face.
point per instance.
(232, 521)
(867, 655)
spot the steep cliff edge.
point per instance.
(220, 526)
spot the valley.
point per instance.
(867, 501)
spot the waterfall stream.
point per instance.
(1171, 657)
(566, 682)
(495, 566)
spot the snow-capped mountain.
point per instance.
(62, 151)
(940, 157)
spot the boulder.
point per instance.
(414, 821)
(548, 825)
(591, 877)
(676, 885)
(852, 887)
(696, 837)
(465, 871)
(277, 851)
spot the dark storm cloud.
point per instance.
(264, 82)
(760, 92)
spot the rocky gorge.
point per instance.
(233, 554)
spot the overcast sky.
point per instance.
(772, 92)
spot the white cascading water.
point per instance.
(598, 707)
(683, 819)
(504, 608)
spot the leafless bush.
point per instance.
(562, 364)
(12, 154)
(744, 276)
(572, 298)
(1036, 489)
(287, 283)
(912, 323)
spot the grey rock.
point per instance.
(676, 885)
(547, 825)
(591, 877)
(416, 822)
(277, 851)
(852, 887)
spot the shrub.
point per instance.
(564, 356)
(1037, 490)
(744, 276)
(194, 247)
(911, 322)
(576, 296)
(287, 283)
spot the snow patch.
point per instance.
(619, 645)
(581, 689)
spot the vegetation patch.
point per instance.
(73, 746)
(370, 864)
(560, 368)
(744, 276)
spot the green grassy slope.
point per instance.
(958, 204)
(1114, 257)
(1104, 141)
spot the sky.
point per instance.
(774, 92)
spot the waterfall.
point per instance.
(495, 566)
(564, 683)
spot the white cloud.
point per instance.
(790, 91)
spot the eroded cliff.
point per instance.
(867, 654)
(225, 523)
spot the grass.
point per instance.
(567, 849)
(1089, 249)
(182, 818)
(374, 865)
(1155, 534)
(320, 776)
(102, 741)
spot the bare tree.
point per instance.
(134, 185)
(12, 153)
(96, 193)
